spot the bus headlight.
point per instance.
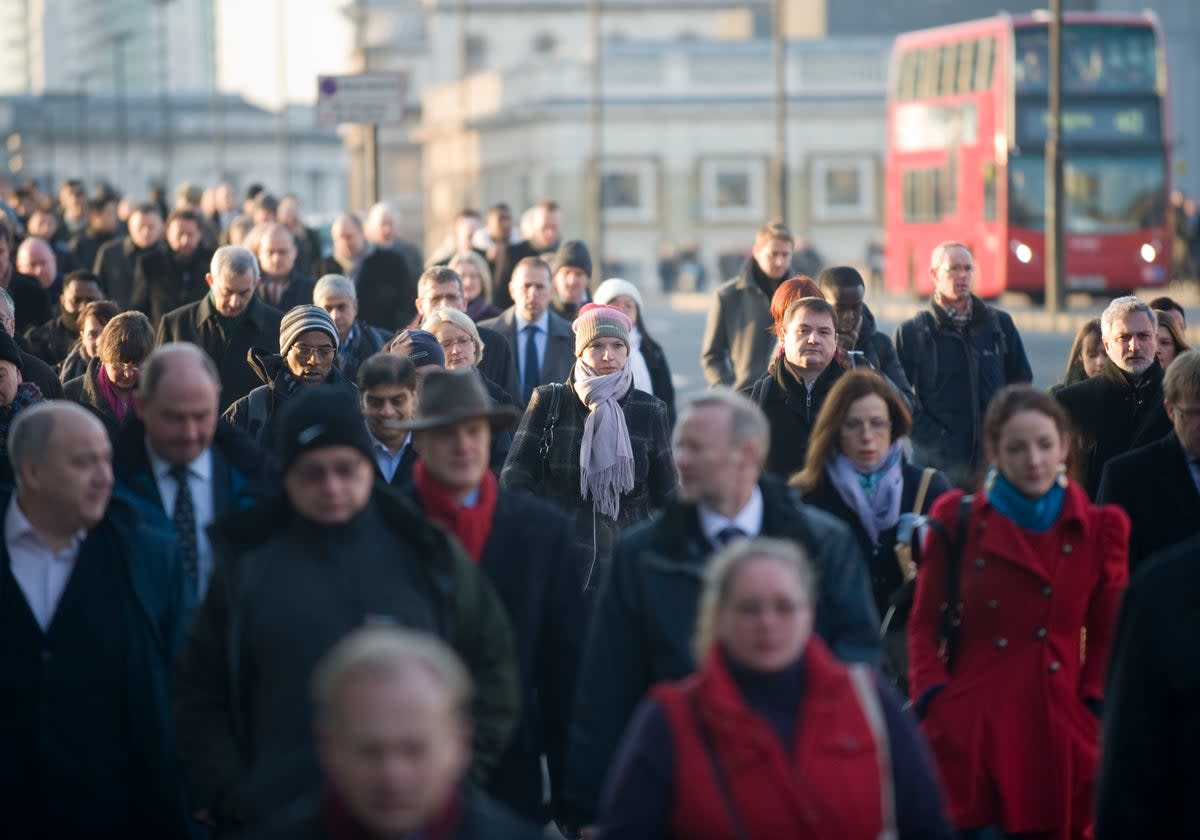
(1149, 253)
(1023, 252)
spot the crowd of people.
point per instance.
(359, 544)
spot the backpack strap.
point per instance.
(714, 760)
(951, 616)
(923, 489)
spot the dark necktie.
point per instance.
(532, 371)
(184, 518)
(730, 533)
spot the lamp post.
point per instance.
(121, 117)
(164, 89)
(1055, 256)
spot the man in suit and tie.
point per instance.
(544, 343)
(182, 465)
(387, 387)
(645, 617)
(1157, 484)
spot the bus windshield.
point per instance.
(1097, 58)
(1105, 193)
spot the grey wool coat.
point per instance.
(556, 476)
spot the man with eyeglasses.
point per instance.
(293, 575)
(308, 343)
(227, 322)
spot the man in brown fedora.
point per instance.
(523, 544)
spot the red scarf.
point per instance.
(342, 825)
(472, 525)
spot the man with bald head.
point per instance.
(282, 284)
(185, 465)
(386, 287)
(116, 259)
(35, 258)
(31, 305)
(92, 614)
(382, 229)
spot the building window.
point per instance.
(843, 188)
(732, 189)
(628, 192)
(476, 49)
(544, 43)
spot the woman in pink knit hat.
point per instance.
(595, 445)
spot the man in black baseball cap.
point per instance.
(292, 576)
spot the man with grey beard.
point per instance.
(1120, 408)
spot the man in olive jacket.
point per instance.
(294, 575)
(645, 617)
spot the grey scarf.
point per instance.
(605, 453)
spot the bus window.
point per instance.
(906, 85)
(985, 59)
(989, 191)
(1113, 58)
(966, 65)
(927, 72)
(947, 69)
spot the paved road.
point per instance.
(678, 324)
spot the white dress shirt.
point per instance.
(200, 482)
(387, 461)
(748, 520)
(41, 572)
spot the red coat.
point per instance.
(1015, 744)
(830, 787)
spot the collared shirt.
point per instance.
(540, 338)
(388, 463)
(748, 520)
(200, 482)
(41, 572)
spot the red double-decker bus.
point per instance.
(967, 125)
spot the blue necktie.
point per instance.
(532, 371)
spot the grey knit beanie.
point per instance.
(301, 319)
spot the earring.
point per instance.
(990, 480)
(1062, 478)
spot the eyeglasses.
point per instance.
(324, 352)
(125, 367)
(456, 342)
(876, 425)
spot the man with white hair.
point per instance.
(227, 322)
(382, 230)
(1120, 408)
(357, 340)
(386, 288)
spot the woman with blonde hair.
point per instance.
(476, 284)
(757, 743)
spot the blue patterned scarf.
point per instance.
(1036, 515)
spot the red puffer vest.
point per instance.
(836, 783)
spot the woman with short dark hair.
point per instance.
(106, 388)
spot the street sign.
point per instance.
(370, 98)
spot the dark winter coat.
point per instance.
(557, 477)
(41, 374)
(878, 353)
(499, 363)
(482, 819)
(84, 247)
(645, 619)
(30, 301)
(73, 365)
(51, 341)
(660, 375)
(738, 339)
(257, 413)
(1148, 770)
(298, 292)
(246, 752)
(85, 390)
(1110, 417)
(525, 560)
(198, 324)
(791, 409)
(163, 282)
(365, 342)
(1155, 487)
(115, 264)
(954, 374)
(557, 359)
(881, 556)
(151, 634)
(387, 290)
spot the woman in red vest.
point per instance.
(772, 737)
(1010, 700)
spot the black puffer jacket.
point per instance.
(792, 410)
(256, 412)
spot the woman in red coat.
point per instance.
(772, 738)
(1013, 719)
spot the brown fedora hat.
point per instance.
(447, 397)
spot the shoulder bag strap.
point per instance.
(739, 830)
(952, 608)
(868, 700)
(547, 442)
